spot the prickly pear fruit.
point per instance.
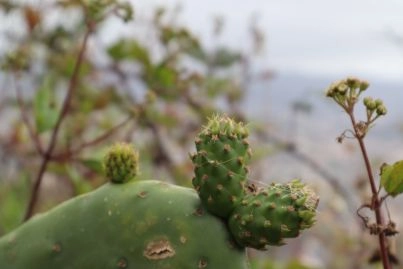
(221, 158)
(142, 225)
(121, 163)
(267, 216)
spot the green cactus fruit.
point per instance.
(221, 158)
(140, 224)
(268, 215)
(121, 163)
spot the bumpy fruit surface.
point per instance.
(121, 163)
(141, 225)
(221, 164)
(268, 216)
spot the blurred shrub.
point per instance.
(66, 81)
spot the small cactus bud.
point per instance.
(121, 163)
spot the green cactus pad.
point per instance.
(141, 225)
(221, 164)
(268, 216)
(121, 163)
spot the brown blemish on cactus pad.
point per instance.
(202, 263)
(159, 250)
(122, 263)
(57, 248)
(142, 194)
(198, 212)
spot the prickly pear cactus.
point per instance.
(221, 164)
(142, 225)
(269, 215)
(155, 225)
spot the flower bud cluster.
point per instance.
(346, 92)
(375, 105)
(349, 85)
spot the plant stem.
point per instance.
(66, 104)
(70, 153)
(25, 118)
(375, 203)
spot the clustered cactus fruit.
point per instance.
(148, 224)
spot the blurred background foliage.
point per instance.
(154, 91)
(68, 91)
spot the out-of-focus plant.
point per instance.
(66, 93)
(346, 93)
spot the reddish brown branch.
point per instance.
(376, 202)
(78, 149)
(66, 104)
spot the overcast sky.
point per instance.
(314, 37)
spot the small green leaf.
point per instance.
(197, 53)
(392, 178)
(163, 81)
(45, 108)
(94, 164)
(80, 185)
(124, 11)
(223, 58)
(126, 49)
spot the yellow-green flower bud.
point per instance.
(342, 88)
(364, 85)
(378, 102)
(330, 92)
(381, 110)
(353, 83)
(369, 103)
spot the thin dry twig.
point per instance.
(70, 153)
(305, 159)
(65, 108)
